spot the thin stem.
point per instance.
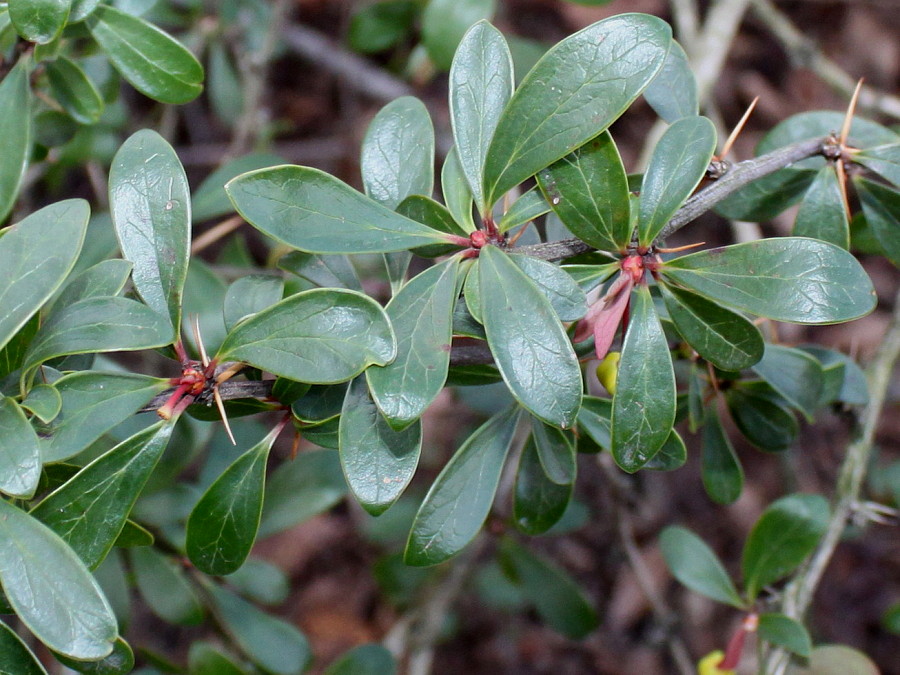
(707, 54)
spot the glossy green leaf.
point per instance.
(794, 374)
(822, 213)
(531, 348)
(853, 388)
(696, 566)
(300, 489)
(444, 22)
(881, 206)
(456, 191)
(472, 294)
(556, 597)
(319, 336)
(223, 524)
(863, 134)
(766, 197)
(594, 419)
(249, 295)
(210, 200)
(566, 298)
(558, 108)
(644, 403)
(106, 278)
(762, 421)
(720, 468)
(526, 208)
(481, 84)
(13, 354)
(538, 501)
(673, 92)
(677, 166)
(588, 277)
(44, 402)
(15, 657)
(274, 645)
(51, 590)
(151, 209)
(371, 659)
(89, 510)
(39, 21)
(205, 658)
(672, 455)
(133, 535)
(398, 153)
(94, 402)
(429, 212)
(312, 211)
(20, 451)
(15, 143)
(421, 314)
(588, 190)
(785, 534)
(724, 338)
(784, 631)
(460, 498)
(36, 255)
(150, 59)
(320, 403)
(165, 587)
(789, 279)
(378, 461)
(555, 451)
(119, 662)
(324, 271)
(99, 325)
(74, 90)
(882, 159)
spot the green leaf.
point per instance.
(421, 314)
(89, 511)
(20, 451)
(312, 211)
(98, 325)
(381, 25)
(723, 476)
(531, 347)
(837, 660)
(320, 403)
(39, 21)
(785, 534)
(300, 489)
(456, 191)
(881, 206)
(320, 336)
(538, 501)
(151, 209)
(106, 278)
(762, 421)
(789, 279)
(853, 388)
(15, 144)
(274, 645)
(644, 403)
(51, 590)
(594, 419)
(526, 208)
(324, 271)
(565, 296)
(556, 597)
(210, 200)
(371, 659)
(672, 455)
(785, 632)
(460, 498)
(429, 212)
(261, 582)
(766, 197)
(94, 402)
(133, 535)
(558, 108)
(882, 159)
(12, 355)
(74, 90)
(794, 374)
(696, 566)
(678, 164)
(444, 22)
(722, 337)
(44, 402)
(165, 587)
(588, 190)
(249, 295)
(15, 657)
(673, 92)
(398, 153)
(378, 461)
(206, 659)
(555, 451)
(225, 91)
(223, 524)
(119, 662)
(481, 84)
(863, 134)
(822, 213)
(36, 255)
(150, 59)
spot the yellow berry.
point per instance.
(608, 370)
(708, 664)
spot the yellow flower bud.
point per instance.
(608, 370)
(708, 664)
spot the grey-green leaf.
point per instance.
(421, 313)
(444, 22)
(673, 92)
(784, 631)
(51, 590)
(456, 191)
(538, 502)
(882, 159)
(39, 21)
(822, 213)
(15, 657)
(15, 136)
(106, 278)
(151, 208)
(678, 163)
(644, 403)
(320, 336)
(794, 374)
(165, 587)
(460, 498)
(526, 208)
(565, 296)
(558, 108)
(249, 295)
(720, 468)
(371, 659)
(378, 461)
(791, 279)
(555, 451)
(481, 84)
(881, 206)
(44, 402)
(695, 565)
(20, 451)
(89, 510)
(36, 255)
(312, 211)
(74, 90)
(531, 347)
